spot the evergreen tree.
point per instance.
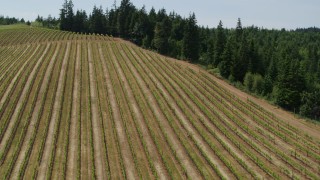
(290, 86)
(272, 71)
(80, 22)
(63, 18)
(162, 14)
(227, 59)
(140, 26)
(152, 15)
(240, 65)
(311, 104)
(219, 44)
(258, 84)
(239, 31)
(39, 19)
(66, 16)
(49, 22)
(178, 27)
(190, 48)
(112, 22)
(255, 65)
(126, 10)
(204, 43)
(69, 16)
(267, 86)
(176, 35)
(162, 33)
(248, 81)
(98, 20)
(152, 19)
(318, 72)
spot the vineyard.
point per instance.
(81, 106)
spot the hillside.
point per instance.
(91, 106)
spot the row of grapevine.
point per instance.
(17, 37)
(194, 155)
(196, 110)
(278, 153)
(23, 119)
(93, 107)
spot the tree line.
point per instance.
(10, 20)
(282, 66)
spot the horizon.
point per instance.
(208, 13)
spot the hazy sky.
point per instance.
(288, 14)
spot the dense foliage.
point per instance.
(281, 65)
(10, 20)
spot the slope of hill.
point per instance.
(88, 106)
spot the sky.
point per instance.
(277, 14)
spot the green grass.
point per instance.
(13, 26)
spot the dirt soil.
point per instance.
(139, 117)
(98, 149)
(14, 117)
(191, 170)
(54, 118)
(72, 157)
(125, 148)
(34, 117)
